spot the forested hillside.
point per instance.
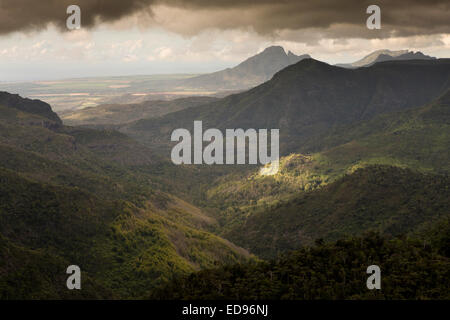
(307, 99)
(410, 269)
(75, 196)
(389, 200)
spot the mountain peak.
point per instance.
(249, 73)
(274, 49)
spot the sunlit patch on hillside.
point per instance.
(270, 169)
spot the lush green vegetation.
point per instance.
(390, 200)
(358, 155)
(74, 196)
(417, 139)
(38, 274)
(410, 269)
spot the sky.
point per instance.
(197, 36)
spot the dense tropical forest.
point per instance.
(410, 269)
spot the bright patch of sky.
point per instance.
(115, 51)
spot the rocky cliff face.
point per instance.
(36, 107)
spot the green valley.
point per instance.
(73, 196)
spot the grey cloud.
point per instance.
(399, 17)
(338, 19)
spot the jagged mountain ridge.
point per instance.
(385, 55)
(249, 73)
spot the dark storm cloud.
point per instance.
(27, 15)
(399, 17)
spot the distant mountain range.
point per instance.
(308, 98)
(137, 89)
(249, 73)
(252, 72)
(385, 55)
